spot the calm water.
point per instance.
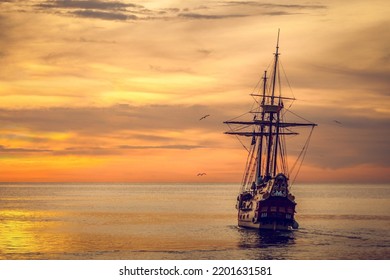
(186, 221)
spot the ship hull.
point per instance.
(269, 226)
(260, 210)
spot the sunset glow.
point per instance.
(112, 91)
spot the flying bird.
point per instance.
(201, 174)
(336, 121)
(205, 116)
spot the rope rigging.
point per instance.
(302, 154)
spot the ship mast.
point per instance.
(271, 117)
(260, 148)
(268, 129)
(279, 107)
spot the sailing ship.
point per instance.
(265, 200)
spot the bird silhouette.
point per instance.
(205, 116)
(201, 174)
(336, 121)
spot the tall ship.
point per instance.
(265, 200)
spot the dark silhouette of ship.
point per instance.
(265, 200)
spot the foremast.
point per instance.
(267, 154)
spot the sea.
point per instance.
(54, 221)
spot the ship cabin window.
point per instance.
(290, 210)
(282, 210)
(273, 209)
(264, 209)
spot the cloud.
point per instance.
(271, 5)
(4, 149)
(123, 11)
(228, 9)
(353, 141)
(124, 127)
(105, 10)
(357, 75)
(170, 70)
(103, 15)
(210, 16)
(205, 52)
(103, 120)
(21, 137)
(88, 40)
(85, 151)
(92, 151)
(169, 147)
(90, 4)
(255, 8)
(113, 130)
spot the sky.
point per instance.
(112, 91)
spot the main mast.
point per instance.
(271, 117)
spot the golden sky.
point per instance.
(113, 90)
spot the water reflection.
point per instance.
(266, 244)
(19, 233)
(264, 239)
(31, 234)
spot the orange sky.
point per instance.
(113, 90)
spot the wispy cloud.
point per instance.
(114, 130)
(91, 151)
(104, 120)
(169, 147)
(115, 150)
(103, 15)
(209, 16)
(274, 5)
(89, 4)
(24, 151)
(105, 10)
(170, 70)
(123, 11)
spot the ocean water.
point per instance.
(187, 221)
